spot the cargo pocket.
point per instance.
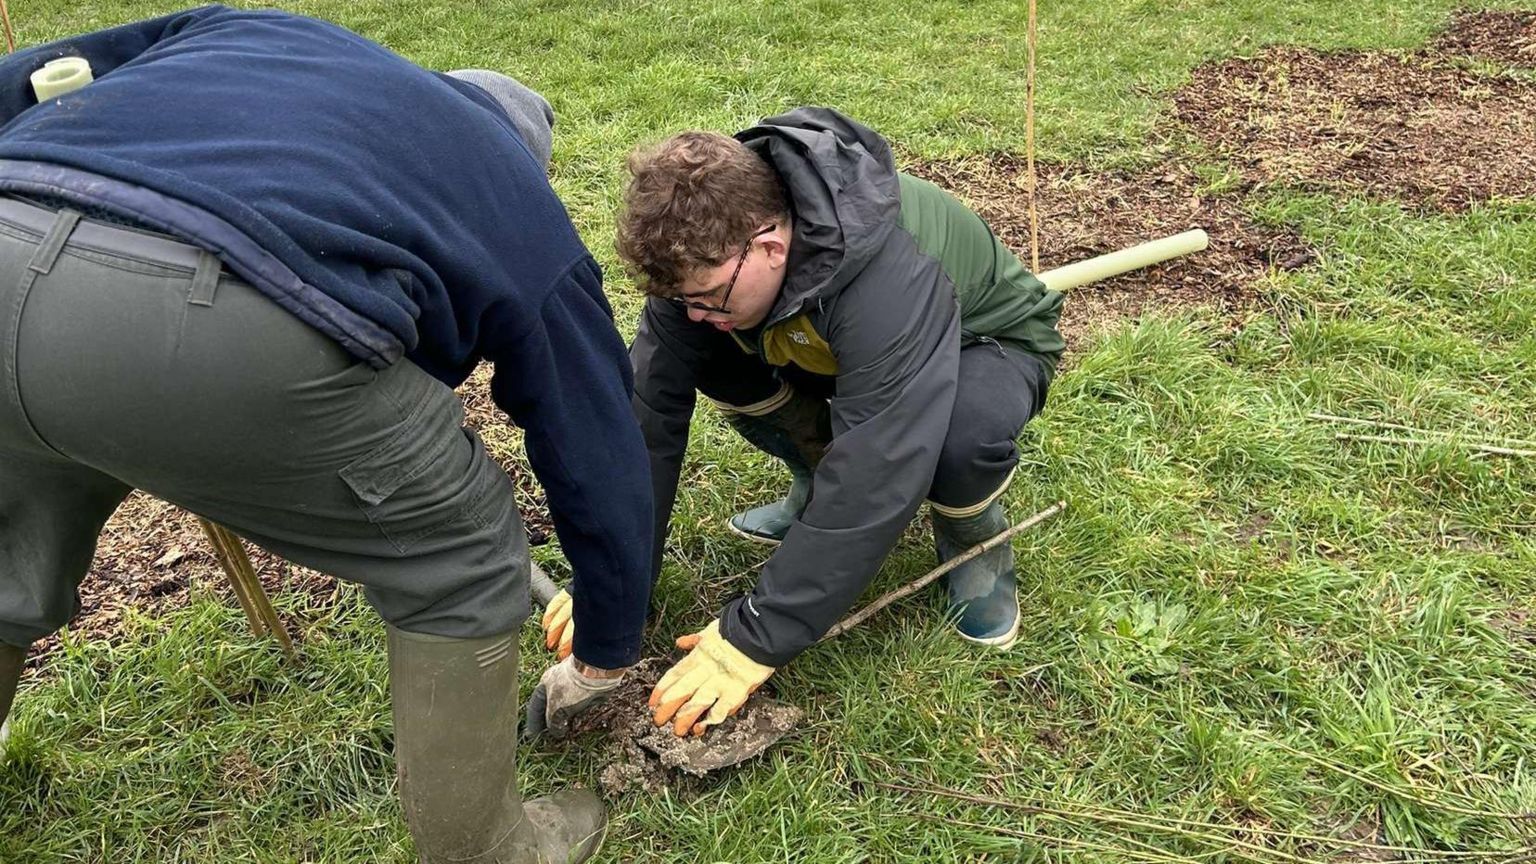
(422, 479)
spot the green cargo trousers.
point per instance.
(129, 360)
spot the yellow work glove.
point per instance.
(714, 677)
(559, 629)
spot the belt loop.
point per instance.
(205, 282)
(47, 252)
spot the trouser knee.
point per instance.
(791, 425)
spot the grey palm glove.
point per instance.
(563, 693)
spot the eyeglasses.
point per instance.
(726, 297)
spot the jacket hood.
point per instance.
(841, 182)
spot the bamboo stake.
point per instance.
(215, 535)
(10, 38)
(928, 578)
(1471, 445)
(1380, 424)
(1029, 143)
(271, 622)
(253, 599)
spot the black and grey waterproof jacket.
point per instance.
(888, 277)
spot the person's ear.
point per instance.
(776, 247)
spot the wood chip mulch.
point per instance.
(1506, 36)
(1417, 128)
(1085, 213)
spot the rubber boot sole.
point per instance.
(602, 836)
(755, 538)
(999, 643)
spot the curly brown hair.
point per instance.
(691, 200)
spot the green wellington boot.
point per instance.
(11, 659)
(797, 432)
(983, 592)
(456, 708)
(770, 522)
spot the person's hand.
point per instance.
(714, 678)
(559, 627)
(565, 690)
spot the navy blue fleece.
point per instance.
(394, 209)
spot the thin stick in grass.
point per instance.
(1387, 787)
(1224, 842)
(10, 37)
(1471, 445)
(1399, 427)
(1280, 833)
(1188, 828)
(1143, 854)
(928, 578)
(1404, 793)
(1149, 853)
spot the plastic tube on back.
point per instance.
(61, 76)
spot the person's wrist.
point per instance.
(588, 671)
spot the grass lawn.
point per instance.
(1239, 621)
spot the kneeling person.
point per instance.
(862, 326)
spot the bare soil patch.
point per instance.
(1367, 830)
(1505, 36)
(1086, 213)
(151, 552)
(505, 446)
(1416, 127)
(149, 556)
(1517, 625)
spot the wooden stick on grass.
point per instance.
(1399, 427)
(1190, 829)
(928, 578)
(1471, 445)
(1411, 795)
(1143, 854)
(242, 577)
(10, 38)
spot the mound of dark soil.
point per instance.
(1503, 36)
(1084, 213)
(1415, 128)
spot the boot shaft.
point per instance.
(983, 592)
(456, 709)
(959, 533)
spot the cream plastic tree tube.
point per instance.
(1115, 263)
(61, 76)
